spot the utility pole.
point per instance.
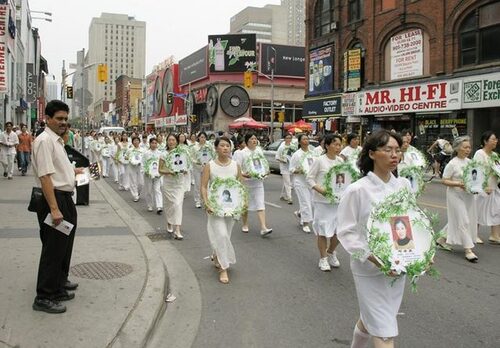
(63, 82)
(82, 104)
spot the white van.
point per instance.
(115, 130)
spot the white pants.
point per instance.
(136, 178)
(154, 195)
(286, 191)
(106, 163)
(123, 180)
(8, 164)
(197, 184)
(113, 170)
(304, 194)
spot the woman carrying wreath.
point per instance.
(325, 213)
(134, 168)
(173, 186)
(123, 182)
(283, 157)
(201, 154)
(461, 205)
(152, 185)
(379, 296)
(488, 205)
(183, 144)
(255, 186)
(219, 228)
(304, 193)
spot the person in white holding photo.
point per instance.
(283, 158)
(152, 185)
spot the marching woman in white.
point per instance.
(173, 186)
(184, 145)
(325, 213)
(283, 157)
(152, 181)
(379, 297)
(113, 149)
(106, 157)
(304, 193)
(134, 168)
(352, 146)
(255, 186)
(461, 206)
(201, 154)
(220, 228)
(488, 205)
(123, 181)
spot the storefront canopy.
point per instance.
(247, 122)
(302, 125)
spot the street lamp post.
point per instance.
(271, 137)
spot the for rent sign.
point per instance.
(482, 91)
(407, 54)
(432, 96)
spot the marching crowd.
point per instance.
(160, 168)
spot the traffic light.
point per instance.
(102, 72)
(248, 79)
(69, 92)
(281, 116)
(170, 98)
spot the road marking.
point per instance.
(273, 205)
(433, 205)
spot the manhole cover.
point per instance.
(101, 270)
(157, 236)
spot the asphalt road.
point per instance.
(278, 297)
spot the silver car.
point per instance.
(271, 149)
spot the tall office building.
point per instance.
(268, 24)
(119, 41)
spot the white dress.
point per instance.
(303, 191)
(256, 200)
(348, 151)
(379, 300)
(488, 205)
(325, 213)
(173, 187)
(462, 215)
(220, 228)
(284, 160)
(198, 168)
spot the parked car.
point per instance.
(271, 149)
(115, 130)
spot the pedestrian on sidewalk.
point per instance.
(220, 228)
(325, 212)
(56, 176)
(8, 143)
(379, 296)
(24, 149)
(152, 180)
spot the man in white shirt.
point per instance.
(8, 143)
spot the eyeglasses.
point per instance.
(390, 150)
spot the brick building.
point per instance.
(431, 66)
(128, 98)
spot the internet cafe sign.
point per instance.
(481, 91)
(431, 96)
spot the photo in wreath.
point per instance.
(402, 233)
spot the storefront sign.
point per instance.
(287, 61)
(321, 70)
(193, 67)
(352, 70)
(200, 95)
(232, 53)
(348, 104)
(322, 107)
(181, 120)
(482, 91)
(4, 22)
(432, 96)
(407, 54)
(169, 121)
(31, 83)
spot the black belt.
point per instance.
(63, 193)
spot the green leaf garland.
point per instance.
(417, 173)
(214, 201)
(249, 168)
(345, 167)
(168, 159)
(495, 164)
(467, 175)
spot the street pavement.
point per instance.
(277, 296)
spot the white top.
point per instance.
(243, 155)
(50, 158)
(353, 213)
(194, 153)
(236, 155)
(317, 173)
(6, 140)
(283, 158)
(295, 162)
(483, 157)
(223, 172)
(318, 151)
(148, 154)
(348, 151)
(454, 170)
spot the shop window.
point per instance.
(324, 18)
(388, 5)
(479, 34)
(355, 10)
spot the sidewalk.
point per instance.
(122, 278)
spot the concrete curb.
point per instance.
(149, 306)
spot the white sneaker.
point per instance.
(323, 264)
(297, 214)
(198, 205)
(333, 261)
(306, 229)
(265, 232)
(150, 208)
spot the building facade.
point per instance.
(432, 67)
(118, 41)
(128, 100)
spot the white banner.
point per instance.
(407, 54)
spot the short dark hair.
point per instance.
(299, 138)
(54, 106)
(330, 138)
(249, 135)
(351, 136)
(406, 131)
(374, 142)
(223, 138)
(8, 123)
(152, 139)
(200, 134)
(134, 138)
(485, 137)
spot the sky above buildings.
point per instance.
(175, 28)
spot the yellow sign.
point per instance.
(102, 72)
(355, 59)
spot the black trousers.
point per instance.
(57, 248)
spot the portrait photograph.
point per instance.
(154, 169)
(402, 233)
(203, 156)
(230, 198)
(258, 167)
(179, 162)
(476, 179)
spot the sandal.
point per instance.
(493, 241)
(223, 276)
(214, 259)
(471, 257)
(244, 229)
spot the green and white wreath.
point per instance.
(122, 156)
(412, 254)
(135, 157)
(203, 155)
(227, 197)
(256, 165)
(105, 151)
(335, 190)
(306, 162)
(177, 161)
(414, 174)
(495, 164)
(417, 157)
(152, 167)
(475, 177)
